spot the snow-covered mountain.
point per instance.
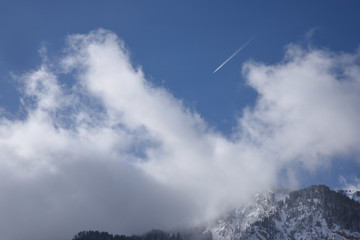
(312, 213)
(234, 223)
(315, 212)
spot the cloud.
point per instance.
(111, 151)
(352, 184)
(308, 107)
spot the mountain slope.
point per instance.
(312, 213)
(315, 212)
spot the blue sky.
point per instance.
(179, 44)
(284, 110)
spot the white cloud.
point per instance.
(352, 184)
(308, 107)
(113, 152)
(349, 183)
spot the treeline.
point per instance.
(194, 234)
(97, 235)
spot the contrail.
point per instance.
(236, 52)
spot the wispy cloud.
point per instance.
(114, 152)
(234, 54)
(352, 183)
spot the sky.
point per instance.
(126, 116)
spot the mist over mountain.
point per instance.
(315, 212)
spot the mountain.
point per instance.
(312, 213)
(351, 193)
(315, 212)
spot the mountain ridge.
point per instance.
(316, 212)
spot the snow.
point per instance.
(303, 220)
(353, 194)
